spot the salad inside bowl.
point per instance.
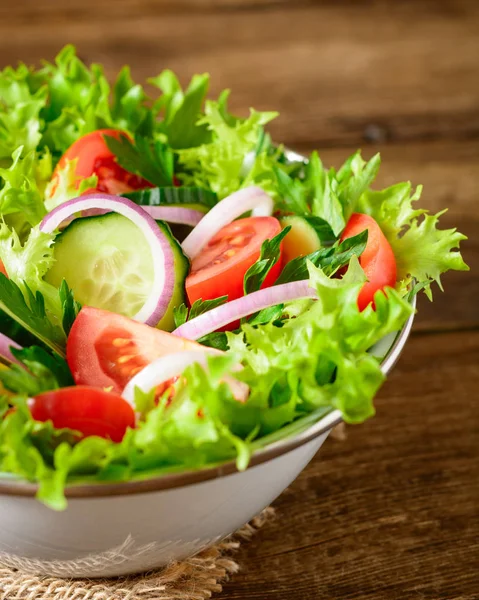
(178, 291)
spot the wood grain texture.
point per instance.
(391, 513)
(400, 71)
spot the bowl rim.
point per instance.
(169, 481)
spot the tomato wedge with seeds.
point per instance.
(219, 269)
(87, 410)
(106, 350)
(377, 260)
(95, 158)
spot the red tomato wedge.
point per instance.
(377, 260)
(95, 158)
(106, 350)
(85, 409)
(2, 269)
(220, 267)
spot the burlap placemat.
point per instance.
(197, 578)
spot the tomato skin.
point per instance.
(95, 158)
(377, 260)
(2, 269)
(106, 350)
(85, 409)
(214, 273)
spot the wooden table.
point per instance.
(391, 512)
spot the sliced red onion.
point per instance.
(169, 366)
(163, 260)
(5, 344)
(90, 212)
(242, 307)
(170, 214)
(252, 199)
(175, 214)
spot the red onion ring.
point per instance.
(5, 344)
(252, 199)
(163, 260)
(242, 307)
(170, 214)
(169, 366)
(174, 214)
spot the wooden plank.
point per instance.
(337, 75)
(391, 512)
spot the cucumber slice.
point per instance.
(107, 263)
(182, 268)
(301, 240)
(194, 198)
(199, 198)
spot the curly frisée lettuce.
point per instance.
(318, 360)
(300, 360)
(422, 251)
(220, 164)
(26, 264)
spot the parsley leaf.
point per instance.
(326, 194)
(199, 307)
(217, 339)
(46, 371)
(182, 110)
(15, 331)
(30, 314)
(269, 256)
(219, 164)
(329, 260)
(323, 229)
(153, 162)
(272, 313)
(70, 307)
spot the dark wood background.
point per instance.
(391, 512)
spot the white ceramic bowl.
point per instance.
(116, 529)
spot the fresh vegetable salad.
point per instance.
(176, 290)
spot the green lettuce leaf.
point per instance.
(182, 313)
(219, 165)
(21, 199)
(326, 194)
(27, 264)
(311, 364)
(300, 360)
(182, 110)
(423, 252)
(67, 185)
(79, 102)
(129, 110)
(21, 103)
(26, 449)
(28, 311)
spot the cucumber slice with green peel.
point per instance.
(182, 268)
(301, 240)
(107, 262)
(187, 197)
